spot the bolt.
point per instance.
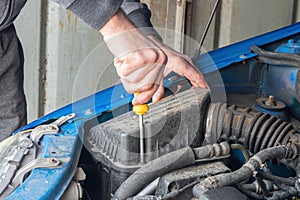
(270, 101)
(243, 56)
(88, 112)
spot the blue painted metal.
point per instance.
(240, 51)
(270, 112)
(66, 145)
(281, 81)
(292, 46)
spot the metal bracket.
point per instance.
(49, 129)
(37, 163)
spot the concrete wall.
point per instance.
(56, 43)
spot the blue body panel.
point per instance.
(66, 145)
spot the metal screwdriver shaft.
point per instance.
(141, 110)
(142, 135)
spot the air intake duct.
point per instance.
(254, 130)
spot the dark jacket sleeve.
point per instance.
(93, 12)
(97, 12)
(9, 10)
(140, 15)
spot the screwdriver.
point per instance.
(141, 110)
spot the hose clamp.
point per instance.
(257, 159)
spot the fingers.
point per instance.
(142, 64)
(196, 81)
(194, 76)
(145, 96)
(156, 92)
(182, 65)
(158, 95)
(137, 59)
(146, 89)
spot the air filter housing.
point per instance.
(173, 123)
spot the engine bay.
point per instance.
(239, 139)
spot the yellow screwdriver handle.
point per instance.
(140, 109)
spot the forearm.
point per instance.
(117, 24)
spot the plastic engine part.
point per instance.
(224, 193)
(171, 124)
(179, 178)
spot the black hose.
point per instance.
(297, 184)
(249, 186)
(166, 163)
(273, 55)
(153, 169)
(261, 184)
(277, 179)
(271, 61)
(248, 191)
(246, 171)
(286, 192)
(147, 197)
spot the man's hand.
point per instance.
(142, 62)
(181, 64)
(139, 62)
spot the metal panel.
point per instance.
(297, 10)
(244, 19)
(200, 15)
(68, 42)
(169, 17)
(28, 26)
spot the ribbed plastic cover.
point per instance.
(173, 123)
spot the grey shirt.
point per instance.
(94, 12)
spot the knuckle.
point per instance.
(122, 72)
(162, 57)
(140, 59)
(152, 55)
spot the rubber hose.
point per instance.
(277, 179)
(271, 61)
(251, 193)
(246, 171)
(152, 170)
(297, 184)
(277, 56)
(148, 197)
(166, 163)
(286, 192)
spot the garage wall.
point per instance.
(56, 43)
(243, 19)
(235, 20)
(28, 27)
